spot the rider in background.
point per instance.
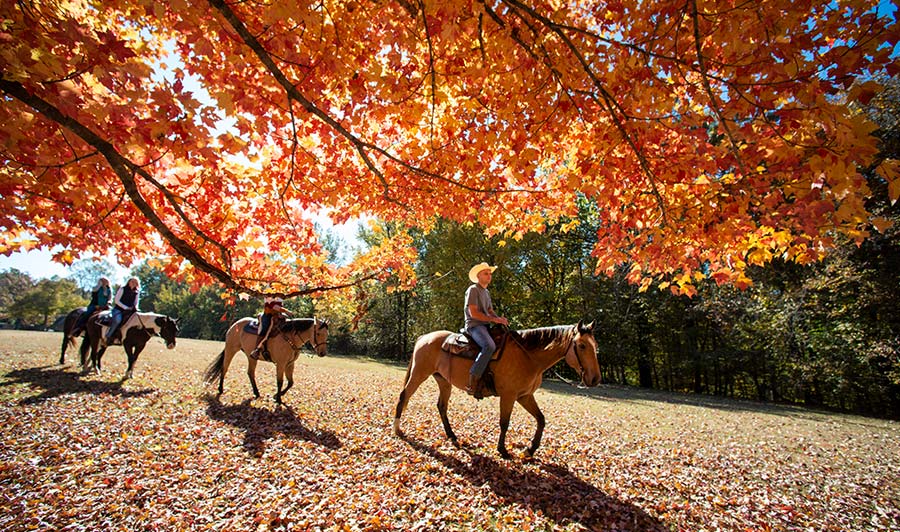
(479, 313)
(273, 308)
(100, 296)
(127, 298)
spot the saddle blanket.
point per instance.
(252, 327)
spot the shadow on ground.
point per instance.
(48, 382)
(261, 424)
(554, 490)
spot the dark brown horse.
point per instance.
(517, 372)
(283, 345)
(133, 335)
(68, 338)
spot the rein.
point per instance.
(144, 327)
(577, 360)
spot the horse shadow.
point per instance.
(58, 382)
(554, 490)
(260, 425)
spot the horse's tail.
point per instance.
(214, 371)
(408, 369)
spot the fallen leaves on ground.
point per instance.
(161, 452)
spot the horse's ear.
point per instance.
(583, 329)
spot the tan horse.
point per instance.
(284, 344)
(517, 372)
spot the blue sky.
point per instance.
(39, 263)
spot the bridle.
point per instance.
(315, 337)
(314, 340)
(154, 329)
(574, 349)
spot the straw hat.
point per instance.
(473, 273)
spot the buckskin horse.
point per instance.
(517, 372)
(133, 334)
(283, 346)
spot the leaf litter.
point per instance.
(161, 452)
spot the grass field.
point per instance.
(161, 452)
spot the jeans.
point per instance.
(482, 337)
(264, 323)
(114, 322)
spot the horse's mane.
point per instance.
(143, 314)
(301, 324)
(544, 337)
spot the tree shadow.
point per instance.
(261, 424)
(618, 393)
(56, 382)
(554, 490)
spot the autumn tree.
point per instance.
(710, 135)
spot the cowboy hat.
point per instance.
(473, 273)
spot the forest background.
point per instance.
(821, 335)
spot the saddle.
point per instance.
(462, 345)
(252, 326)
(104, 317)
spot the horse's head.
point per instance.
(582, 356)
(319, 337)
(168, 329)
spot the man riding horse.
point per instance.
(479, 313)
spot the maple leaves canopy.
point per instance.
(711, 135)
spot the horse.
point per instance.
(517, 372)
(132, 335)
(69, 323)
(284, 344)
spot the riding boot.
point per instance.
(474, 387)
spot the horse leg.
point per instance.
(132, 358)
(279, 380)
(97, 358)
(65, 344)
(414, 378)
(506, 406)
(85, 352)
(251, 373)
(443, 401)
(531, 406)
(289, 374)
